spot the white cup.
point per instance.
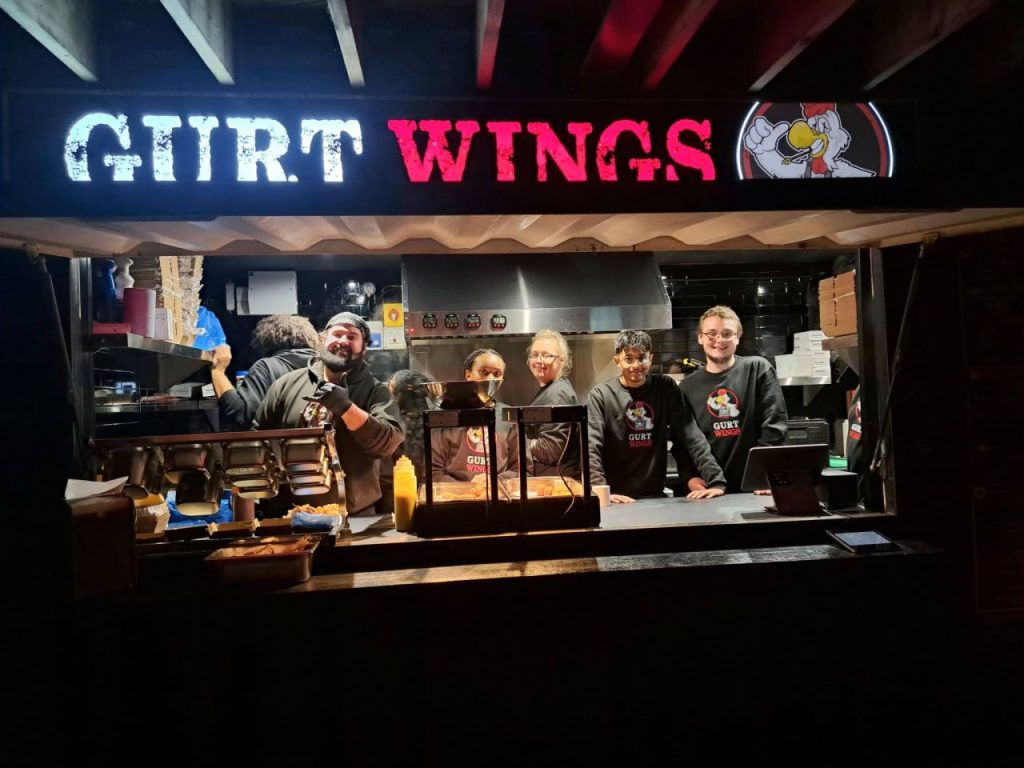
(603, 493)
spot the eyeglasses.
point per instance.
(544, 357)
(724, 335)
(642, 360)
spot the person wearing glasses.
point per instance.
(554, 448)
(736, 400)
(632, 417)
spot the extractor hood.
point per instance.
(514, 294)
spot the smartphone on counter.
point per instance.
(863, 542)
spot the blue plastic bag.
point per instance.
(223, 514)
(209, 332)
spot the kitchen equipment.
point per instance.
(198, 492)
(271, 560)
(137, 463)
(190, 457)
(462, 394)
(515, 294)
(807, 431)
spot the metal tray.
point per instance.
(285, 560)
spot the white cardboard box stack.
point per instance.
(808, 360)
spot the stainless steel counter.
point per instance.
(735, 508)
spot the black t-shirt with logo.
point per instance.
(629, 433)
(856, 458)
(737, 410)
(460, 453)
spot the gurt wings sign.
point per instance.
(429, 149)
(197, 156)
(814, 140)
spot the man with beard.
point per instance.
(736, 401)
(337, 387)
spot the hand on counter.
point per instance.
(699, 489)
(765, 492)
(706, 493)
(618, 498)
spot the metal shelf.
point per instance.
(182, 405)
(158, 364)
(113, 341)
(840, 342)
(806, 381)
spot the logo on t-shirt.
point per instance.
(476, 441)
(724, 406)
(640, 424)
(315, 415)
(855, 422)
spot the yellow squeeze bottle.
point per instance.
(405, 493)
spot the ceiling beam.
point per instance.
(64, 27)
(671, 31)
(489, 14)
(911, 28)
(624, 26)
(206, 24)
(791, 26)
(345, 31)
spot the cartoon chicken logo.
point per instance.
(723, 404)
(475, 439)
(639, 416)
(813, 140)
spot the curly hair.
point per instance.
(411, 397)
(640, 340)
(278, 332)
(409, 392)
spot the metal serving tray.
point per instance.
(272, 560)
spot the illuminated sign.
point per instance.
(264, 141)
(814, 140)
(193, 156)
(76, 146)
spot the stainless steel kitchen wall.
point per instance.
(443, 359)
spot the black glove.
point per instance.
(334, 397)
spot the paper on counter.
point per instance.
(84, 489)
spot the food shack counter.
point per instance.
(645, 526)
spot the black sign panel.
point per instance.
(198, 156)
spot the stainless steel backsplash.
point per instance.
(592, 362)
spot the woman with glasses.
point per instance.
(736, 400)
(554, 448)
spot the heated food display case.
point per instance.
(512, 501)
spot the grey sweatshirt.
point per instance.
(629, 433)
(360, 451)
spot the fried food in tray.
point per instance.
(452, 491)
(542, 487)
(271, 545)
(323, 509)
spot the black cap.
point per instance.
(350, 318)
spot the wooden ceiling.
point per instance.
(678, 48)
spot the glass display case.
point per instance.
(513, 500)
